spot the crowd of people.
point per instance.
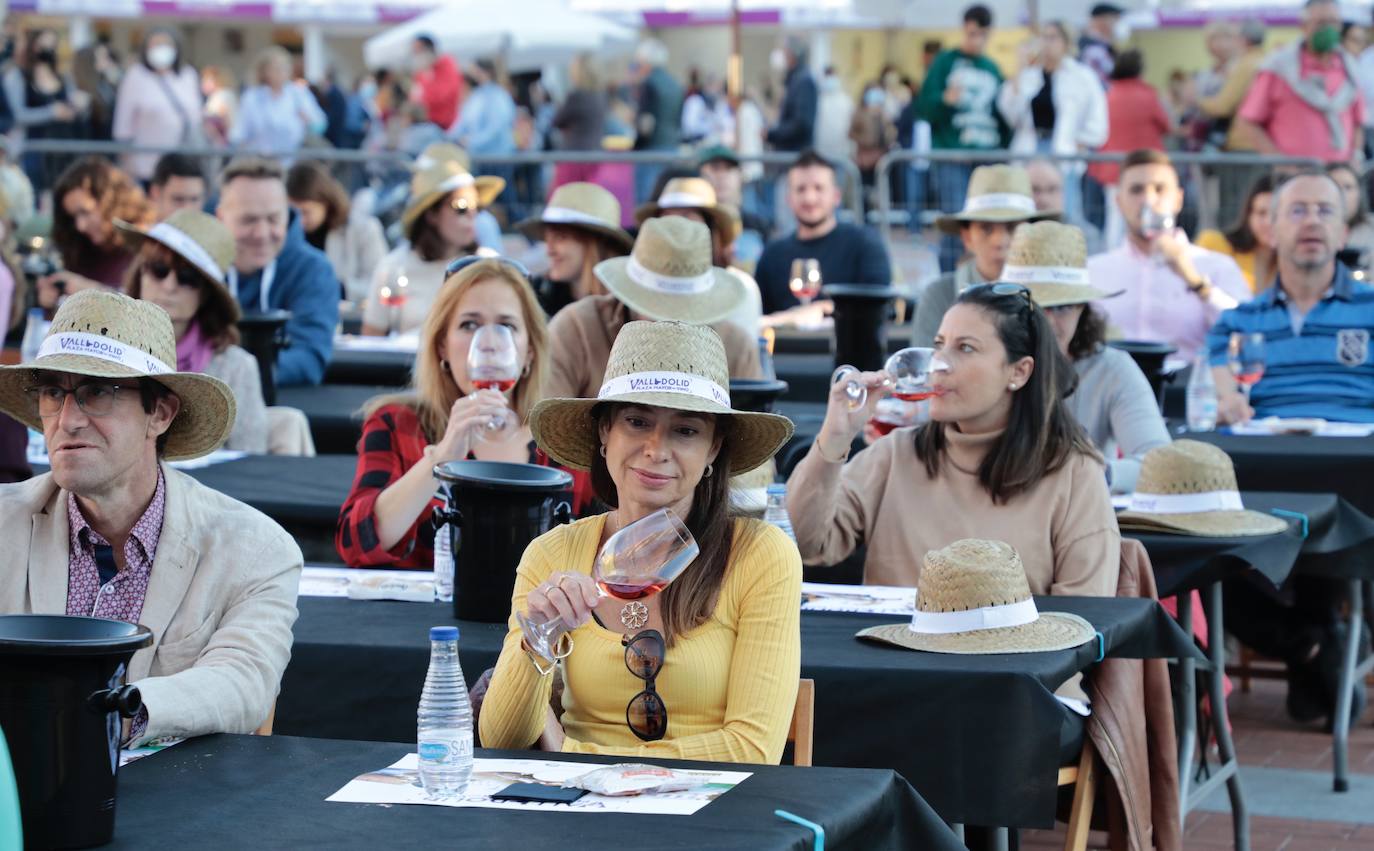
(623, 352)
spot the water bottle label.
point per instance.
(443, 565)
(442, 746)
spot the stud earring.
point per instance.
(1011, 386)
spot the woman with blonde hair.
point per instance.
(277, 114)
(386, 520)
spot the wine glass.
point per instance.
(494, 364)
(892, 412)
(805, 280)
(1245, 359)
(636, 562)
(393, 297)
(908, 373)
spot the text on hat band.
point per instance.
(973, 620)
(1045, 275)
(1000, 201)
(181, 242)
(670, 284)
(665, 382)
(1186, 503)
(102, 348)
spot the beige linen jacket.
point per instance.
(221, 600)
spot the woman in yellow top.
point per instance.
(1250, 241)
(730, 621)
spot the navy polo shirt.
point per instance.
(1320, 368)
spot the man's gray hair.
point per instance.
(651, 52)
(1306, 172)
(1253, 32)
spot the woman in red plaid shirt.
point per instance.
(387, 518)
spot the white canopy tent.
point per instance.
(528, 34)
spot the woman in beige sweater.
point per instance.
(1001, 458)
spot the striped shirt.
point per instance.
(1317, 365)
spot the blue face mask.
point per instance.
(874, 97)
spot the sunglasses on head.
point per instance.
(186, 276)
(463, 262)
(646, 715)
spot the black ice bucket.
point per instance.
(494, 510)
(860, 323)
(263, 335)
(1150, 358)
(62, 702)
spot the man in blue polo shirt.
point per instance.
(1316, 319)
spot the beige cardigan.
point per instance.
(1063, 528)
(580, 339)
(221, 600)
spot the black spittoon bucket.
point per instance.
(494, 510)
(62, 703)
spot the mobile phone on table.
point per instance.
(538, 793)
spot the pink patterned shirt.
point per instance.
(122, 597)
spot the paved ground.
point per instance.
(1286, 773)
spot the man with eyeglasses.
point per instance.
(1173, 290)
(276, 269)
(1316, 319)
(114, 532)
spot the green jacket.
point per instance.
(974, 121)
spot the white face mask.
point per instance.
(1121, 30)
(162, 56)
(778, 59)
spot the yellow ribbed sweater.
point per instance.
(729, 684)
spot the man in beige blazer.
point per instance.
(114, 532)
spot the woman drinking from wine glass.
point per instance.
(1113, 400)
(446, 416)
(440, 225)
(714, 657)
(1001, 457)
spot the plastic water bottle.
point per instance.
(34, 332)
(443, 564)
(445, 720)
(1202, 397)
(776, 512)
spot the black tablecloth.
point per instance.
(334, 412)
(1340, 465)
(978, 735)
(239, 792)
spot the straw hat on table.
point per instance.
(693, 193)
(996, 193)
(1189, 487)
(431, 185)
(667, 365)
(585, 206)
(110, 335)
(1051, 260)
(669, 276)
(973, 597)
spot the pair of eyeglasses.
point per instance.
(646, 715)
(462, 207)
(186, 276)
(463, 262)
(95, 399)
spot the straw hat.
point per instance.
(1051, 259)
(996, 193)
(691, 193)
(110, 335)
(973, 597)
(669, 275)
(1190, 487)
(580, 205)
(442, 152)
(198, 238)
(667, 365)
(431, 185)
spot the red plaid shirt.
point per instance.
(393, 442)
(122, 597)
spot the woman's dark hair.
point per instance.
(690, 599)
(311, 181)
(1362, 205)
(1090, 334)
(1041, 435)
(1129, 66)
(1240, 236)
(218, 314)
(115, 193)
(426, 241)
(27, 58)
(176, 42)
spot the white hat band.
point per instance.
(1000, 201)
(682, 199)
(181, 242)
(669, 283)
(973, 620)
(569, 216)
(458, 181)
(665, 382)
(103, 348)
(1186, 503)
(1045, 275)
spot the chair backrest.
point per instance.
(801, 735)
(288, 432)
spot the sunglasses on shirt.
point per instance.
(646, 715)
